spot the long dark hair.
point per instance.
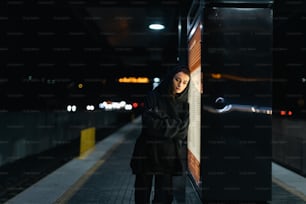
(166, 86)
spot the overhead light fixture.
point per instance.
(156, 26)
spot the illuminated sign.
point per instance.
(142, 80)
(195, 90)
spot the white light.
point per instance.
(128, 107)
(156, 80)
(73, 108)
(253, 109)
(106, 105)
(69, 108)
(116, 105)
(90, 107)
(155, 85)
(101, 105)
(156, 26)
(122, 104)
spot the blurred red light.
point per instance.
(285, 113)
(135, 105)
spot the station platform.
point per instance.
(103, 176)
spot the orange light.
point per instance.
(282, 112)
(216, 76)
(290, 113)
(134, 80)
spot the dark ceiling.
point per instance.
(49, 47)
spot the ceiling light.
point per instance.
(156, 26)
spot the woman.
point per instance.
(157, 151)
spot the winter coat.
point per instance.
(165, 121)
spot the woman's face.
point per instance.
(180, 82)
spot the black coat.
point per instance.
(165, 121)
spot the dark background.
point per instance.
(49, 47)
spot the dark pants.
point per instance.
(163, 189)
